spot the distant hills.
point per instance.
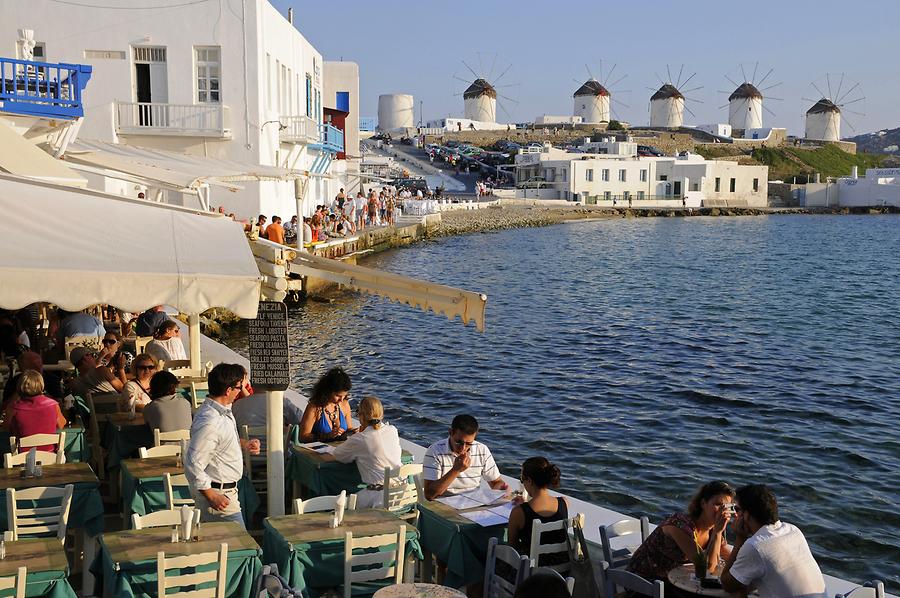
(886, 141)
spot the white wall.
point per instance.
(667, 112)
(481, 108)
(745, 113)
(344, 76)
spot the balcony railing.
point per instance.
(42, 88)
(331, 139)
(298, 129)
(190, 120)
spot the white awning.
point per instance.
(427, 296)
(172, 169)
(77, 248)
(21, 157)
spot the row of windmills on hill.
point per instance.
(593, 100)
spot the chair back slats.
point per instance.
(497, 585)
(140, 344)
(173, 437)
(215, 561)
(319, 504)
(403, 489)
(14, 460)
(170, 483)
(15, 582)
(619, 557)
(538, 547)
(92, 342)
(165, 518)
(632, 582)
(870, 589)
(165, 450)
(16, 445)
(38, 521)
(389, 555)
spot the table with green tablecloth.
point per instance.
(143, 492)
(458, 542)
(47, 567)
(310, 554)
(76, 445)
(86, 512)
(126, 562)
(320, 474)
(123, 436)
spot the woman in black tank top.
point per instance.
(538, 476)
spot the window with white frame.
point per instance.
(604, 174)
(309, 95)
(644, 176)
(607, 195)
(208, 61)
(589, 175)
(623, 177)
(641, 194)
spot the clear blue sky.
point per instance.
(416, 47)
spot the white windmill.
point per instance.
(593, 100)
(480, 97)
(823, 119)
(667, 104)
(745, 104)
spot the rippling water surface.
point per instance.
(646, 356)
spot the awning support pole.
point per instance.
(194, 329)
(275, 451)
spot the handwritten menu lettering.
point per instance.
(270, 367)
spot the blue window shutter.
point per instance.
(342, 101)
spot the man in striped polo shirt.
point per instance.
(458, 463)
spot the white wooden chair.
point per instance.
(166, 450)
(498, 586)
(16, 445)
(45, 458)
(569, 581)
(617, 558)
(170, 483)
(30, 521)
(613, 578)
(255, 465)
(16, 583)
(92, 342)
(213, 565)
(140, 344)
(388, 558)
(176, 365)
(401, 495)
(538, 548)
(871, 589)
(319, 504)
(99, 404)
(166, 518)
(173, 437)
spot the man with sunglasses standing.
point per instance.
(459, 462)
(214, 463)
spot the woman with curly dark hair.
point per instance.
(327, 416)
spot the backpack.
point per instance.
(270, 584)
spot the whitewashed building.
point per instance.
(618, 177)
(823, 121)
(480, 102)
(233, 81)
(745, 106)
(592, 102)
(667, 107)
(880, 187)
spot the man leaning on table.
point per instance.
(214, 462)
(458, 463)
(769, 555)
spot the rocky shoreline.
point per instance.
(507, 216)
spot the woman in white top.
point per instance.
(166, 344)
(136, 393)
(375, 446)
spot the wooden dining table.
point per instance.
(47, 565)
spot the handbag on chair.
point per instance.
(582, 569)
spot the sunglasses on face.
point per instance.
(462, 443)
(109, 341)
(146, 366)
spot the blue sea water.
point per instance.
(646, 356)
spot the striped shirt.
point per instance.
(439, 460)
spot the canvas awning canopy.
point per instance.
(19, 156)
(173, 170)
(427, 296)
(77, 248)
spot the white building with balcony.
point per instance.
(234, 81)
(618, 177)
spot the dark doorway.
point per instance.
(676, 188)
(142, 77)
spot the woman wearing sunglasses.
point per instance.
(136, 393)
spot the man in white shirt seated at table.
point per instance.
(214, 463)
(459, 463)
(769, 555)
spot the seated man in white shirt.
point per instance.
(769, 555)
(459, 463)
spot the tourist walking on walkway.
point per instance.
(214, 462)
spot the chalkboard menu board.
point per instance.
(267, 334)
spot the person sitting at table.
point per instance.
(458, 463)
(95, 378)
(147, 323)
(112, 347)
(376, 445)
(680, 536)
(538, 476)
(78, 323)
(768, 554)
(166, 344)
(32, 412)
(29, 360)
(214, 462)
(168, 410)
(327, 415)
(136, 393)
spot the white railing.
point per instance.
(147, 118)
(298, 129)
